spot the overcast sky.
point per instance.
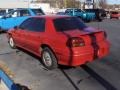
(109, 1)
(113, 1)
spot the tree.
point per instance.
(62, 3)
(102, 3)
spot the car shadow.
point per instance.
(29, 53)
(97, 77)
(40, 61)
(2, 32)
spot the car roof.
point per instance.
(52, 16)
(24, 8)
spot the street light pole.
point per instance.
(93, 4)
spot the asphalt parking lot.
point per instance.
(101, 74)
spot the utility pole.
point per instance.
(93, 4)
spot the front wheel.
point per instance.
(48, 58)
(87, 21)
(11, 43)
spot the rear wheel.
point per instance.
(48, 58)
(0, 30)
(11, 42)
(100, 20)
(87, 21)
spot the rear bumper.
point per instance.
(79, 56)
(115, 16)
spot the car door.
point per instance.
(21, 32)
(34, 35)
(78, 12)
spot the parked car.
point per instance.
(100, 14)
(60, 39)
(114, 14)
(16, 17)
(79, 13)
(61, 12)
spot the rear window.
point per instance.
(114, 12)
(38, 11)
(68, 23)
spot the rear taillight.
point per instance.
(105, 34)
(76, 42)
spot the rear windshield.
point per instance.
(68, 23)
(114, 12)
(38, 11)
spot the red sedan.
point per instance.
(61, 40)
(115, 14)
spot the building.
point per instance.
(15, 4)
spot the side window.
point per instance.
(69, 11)
(38, 25)
(9, 14)
(26, 23)
(34, 24)
(78, 10)
(14, 14)
(2, 12)
(24, 13)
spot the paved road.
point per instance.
(101, 74)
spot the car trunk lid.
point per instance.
(89, 35)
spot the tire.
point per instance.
(80, 18)
(48, 59)
(0, 30)
(11, 43)
(87, 21)
(100, 20)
